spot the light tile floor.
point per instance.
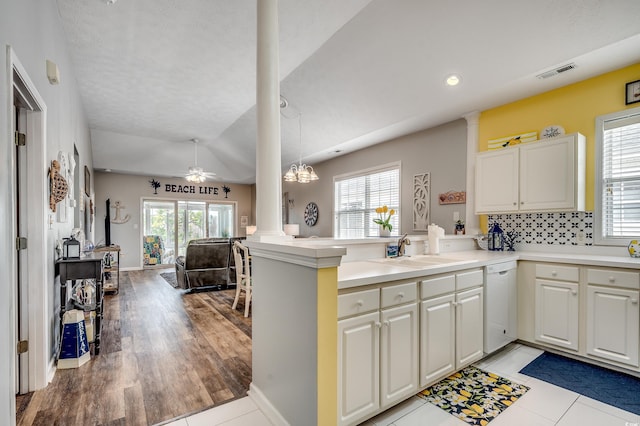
(544, 404)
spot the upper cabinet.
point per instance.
(546, 175)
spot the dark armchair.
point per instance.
(205, 264)
(208, 264)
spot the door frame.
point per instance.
(176, 201)
(40, 362)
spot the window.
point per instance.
(618, 177)
(177, 222)
(357, 195)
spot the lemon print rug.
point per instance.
(473, 395)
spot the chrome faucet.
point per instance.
(403, 241)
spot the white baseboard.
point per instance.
(51, 370)
(131, 268)
(265, 406)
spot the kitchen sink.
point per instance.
(422, 261)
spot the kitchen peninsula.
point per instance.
(304, 289)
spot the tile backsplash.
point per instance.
(548, 228)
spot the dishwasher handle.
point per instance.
(501, 268)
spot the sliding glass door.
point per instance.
(178, 222)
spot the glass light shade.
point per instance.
(195, 175)
(251, 229)
(290, 176)
(313, 175)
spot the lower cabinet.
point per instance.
(378, 351)
(451, 324)
(359, 367)
(613, 315)
(557, 301)
(469, 326)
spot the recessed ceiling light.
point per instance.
(453, 80)
(107, 170)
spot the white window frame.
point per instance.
(396, 165)
(600, 238)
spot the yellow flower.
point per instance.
(392, 212)
(379, 210)
(385, 209)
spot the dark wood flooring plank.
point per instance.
(165, 353)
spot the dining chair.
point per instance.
(243, 275)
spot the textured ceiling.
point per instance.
(155, 73)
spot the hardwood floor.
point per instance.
(165, 353)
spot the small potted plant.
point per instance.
(384, 220)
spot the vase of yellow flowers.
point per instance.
(384, 220)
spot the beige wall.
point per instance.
(440, 151)
(130, 190)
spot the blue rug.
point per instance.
(611, 387)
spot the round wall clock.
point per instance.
(311, 214)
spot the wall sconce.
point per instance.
(291, 203)
(251, 229)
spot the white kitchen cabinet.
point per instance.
(613, 315)
(451, 324)
(557, 313)
(469, 326)
(437, 338)
(497, 181)
(398, 353)
(546, 175)
(377, 350)
(359, 367)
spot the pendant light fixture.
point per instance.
(300, 173)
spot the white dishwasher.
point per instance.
(500, 305)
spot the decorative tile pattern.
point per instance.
(548, 228)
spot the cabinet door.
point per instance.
(547, 175)
(557, 313)
(358, 367)
(398, 353)
(612, 324)
(497, 181)
(437, 338)
(469, 326)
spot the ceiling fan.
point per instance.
(195, 174)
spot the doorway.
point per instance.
(173, 223)
(29, 195)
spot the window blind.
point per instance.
(621, 178)
(358, 195)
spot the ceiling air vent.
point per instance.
(556, 71)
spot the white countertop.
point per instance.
(355, 274)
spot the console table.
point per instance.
(81, 269)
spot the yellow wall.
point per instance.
(327, 345)
(574, 107)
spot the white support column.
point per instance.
(268, 162)
(472, 222)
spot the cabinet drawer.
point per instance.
(557, 272)
(399, 294)
(436, 286)
(470, 279)
(613, 278)
(359, 302)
